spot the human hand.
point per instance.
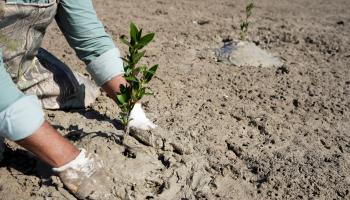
(112, 87)
(85, 177)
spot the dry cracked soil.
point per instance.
(225, 132)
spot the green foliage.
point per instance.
(245, 24)
(136, 76)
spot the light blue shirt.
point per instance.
(21, 115)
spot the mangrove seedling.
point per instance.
(137, 76)
(245, 23)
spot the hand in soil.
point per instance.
(85, 177)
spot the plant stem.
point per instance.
(136, 89)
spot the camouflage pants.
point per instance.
(33, 69)
(56, 85)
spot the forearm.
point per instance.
(50, 146)
(86, 35)
(83, 30)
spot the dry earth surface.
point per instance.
(225, 132)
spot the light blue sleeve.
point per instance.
(86, 35)
(20, 115)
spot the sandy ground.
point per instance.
(227, 132)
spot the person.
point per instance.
(31, 79)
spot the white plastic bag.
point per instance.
(138, 119)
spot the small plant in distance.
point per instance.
(137, 76)
(245, 24)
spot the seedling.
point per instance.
(137, 76)
(245, 24)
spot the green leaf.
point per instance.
(128, 71)
(133, 32)
(153, 69)
(125, 60)
(123, 38)
(135, 85)
(145, 40)
(150, 73)
(134, 94)
(122, 99)
(141, 93)
(138, 56)
(249, 7)
(131, 78)
(122, 89)
(143, 69)
(139, 34)
(149, 94)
